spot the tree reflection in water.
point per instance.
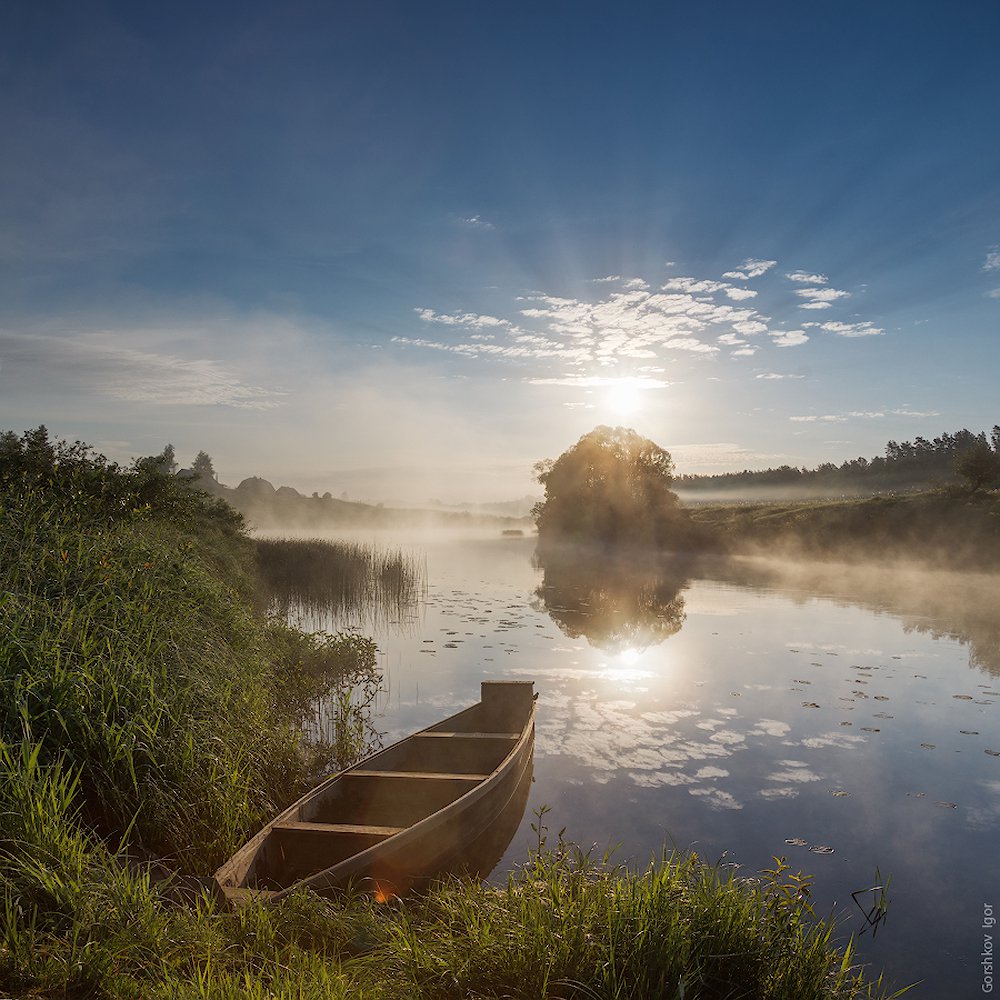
(618, 602)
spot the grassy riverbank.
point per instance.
(150, 718)
(947, 527)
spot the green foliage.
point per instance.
(917, 464)
(611, 488)
(979, 466)
(133, 657)
(81, 923)
(202, 467)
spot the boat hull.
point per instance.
(409, 812)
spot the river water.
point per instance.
(846, 720)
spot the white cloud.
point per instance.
(626, 321)
(916, 413)
(776, 375)
(819, 298)
(993, 293)
(750, 327)
(839, 418)
(807, 278)
(471, 321)
(750, 268)
(992, 262)
(690, 344)
(861, 329)
(788, 338)
(694, 286)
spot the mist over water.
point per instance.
(843, 717)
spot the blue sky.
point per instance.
(406, 250)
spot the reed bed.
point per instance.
(336, 584)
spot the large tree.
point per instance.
(611, 487)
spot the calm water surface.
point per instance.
(847, 723)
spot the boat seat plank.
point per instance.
(343, 828)
(471, 779)
(469, 736)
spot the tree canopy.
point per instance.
(980, 465)
(202, 467)
(612, 486)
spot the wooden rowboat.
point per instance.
(403, 814)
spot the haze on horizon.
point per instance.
(405, 251)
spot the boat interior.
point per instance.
(393, 789)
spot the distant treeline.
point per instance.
(910, 465)
(285, 507)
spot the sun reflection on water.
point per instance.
(627, 667)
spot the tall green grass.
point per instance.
(567, 926)
(562, 927)
(131, 654)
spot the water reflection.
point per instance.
(618, 604)
(960, 606)
(824, 713)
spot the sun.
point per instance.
(624, 398)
